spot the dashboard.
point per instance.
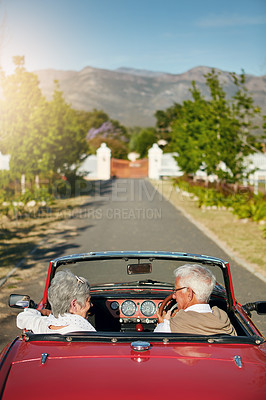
(128, 311)
(137, 310)
(131, 311)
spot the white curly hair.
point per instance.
(197, 277)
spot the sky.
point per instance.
(158, 35)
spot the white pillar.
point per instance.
(155, 161)
(256, 183)
(37, 181)
(4, 161)
(103, 162)
(23, 183)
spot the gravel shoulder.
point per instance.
(20, 237)
(242, 239)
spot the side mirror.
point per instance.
(19, 301)
(258, 306)
(261, 307)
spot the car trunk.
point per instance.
(115, 371)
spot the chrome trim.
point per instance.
(139, 345)
(44, 358)
(238, 361)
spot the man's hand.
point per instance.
(164, 316)
(174, 312)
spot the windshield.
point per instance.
(116, 271)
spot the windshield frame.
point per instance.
(144, 255)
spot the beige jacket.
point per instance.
(202, 323)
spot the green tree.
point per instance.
(65, 145)
(39, 136)
(166, 117)
(21, 117)
(220, 128)
(215, 135)
(133, 134)
(93, 119)
(164, 121)
(142, 141)
(189, 132)
(234, 126)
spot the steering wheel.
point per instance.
(167, 304)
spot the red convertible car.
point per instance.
(124, 358)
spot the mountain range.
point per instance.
(132, 96)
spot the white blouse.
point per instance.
(33, 320)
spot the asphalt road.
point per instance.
(128, 215)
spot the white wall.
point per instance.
(90, 167)
(169, 166)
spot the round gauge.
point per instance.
(148, 308)
(114, 305)
(128, 308)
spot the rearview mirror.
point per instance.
(133, 269)
(19, 301)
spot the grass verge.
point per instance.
(19, 237)
(243, 237)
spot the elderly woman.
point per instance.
(69, 296)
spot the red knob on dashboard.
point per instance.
(139, 327)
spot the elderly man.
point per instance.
(193, 287)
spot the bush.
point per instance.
(62, 189)
(244, 205)
(26, 204)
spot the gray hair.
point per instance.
(64, 288)
(200, 279)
